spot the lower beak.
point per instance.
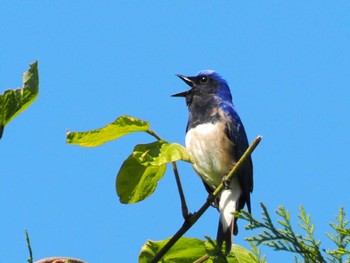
(181, 94)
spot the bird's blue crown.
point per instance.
(223, 92)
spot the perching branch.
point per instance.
(191, 219)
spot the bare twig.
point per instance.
(184, 208)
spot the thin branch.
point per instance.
(192, 218)
(30, 259)
(184, 208)
(188, 223)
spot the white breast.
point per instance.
(211, 150)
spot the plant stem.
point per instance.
(202, 259)
(155, 135)
(184, 208)
(30, 259)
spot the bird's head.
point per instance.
(206, 84)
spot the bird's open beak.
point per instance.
(188, 81)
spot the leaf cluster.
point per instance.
(281, 236)
(140, 172)
(145, 166)
(341, 238)
(137, 179)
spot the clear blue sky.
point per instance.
(288, 66)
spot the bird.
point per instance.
(216, 139)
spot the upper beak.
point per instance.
(188, 81)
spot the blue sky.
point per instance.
(288, 66)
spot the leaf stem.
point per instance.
(192, 218)
(202, 259)
(155, 135)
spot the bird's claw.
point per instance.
(226, 182)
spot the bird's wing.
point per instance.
(237, 134)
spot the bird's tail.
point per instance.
(227, 223)
(225, 236)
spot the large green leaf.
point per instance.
(135, 182)
(121, 126)
(185, 250)
(160, 152)
(190, 249)
(13, 102)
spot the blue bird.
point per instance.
(216, 139)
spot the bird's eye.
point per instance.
(203, 80)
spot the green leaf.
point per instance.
(120, 127)
(135, 182)
(216, 254)
(13, 102)
(160, 152)
(242, 254)
(190, 249)
(185, 250)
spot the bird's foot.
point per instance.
(226, 182)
